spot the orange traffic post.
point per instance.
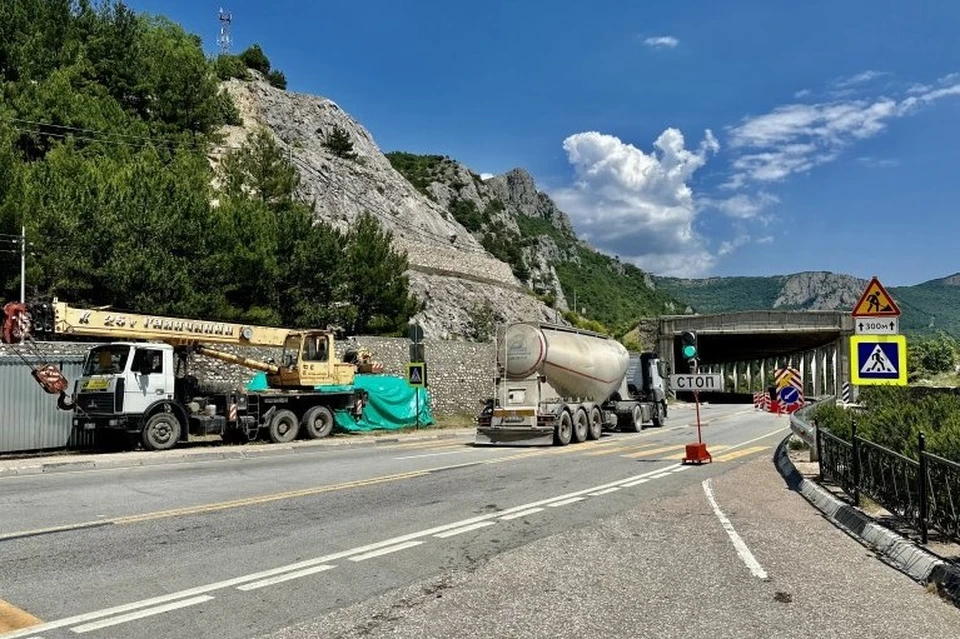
(697, 453)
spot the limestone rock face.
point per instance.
(449, 268)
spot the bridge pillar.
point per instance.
(749, 373)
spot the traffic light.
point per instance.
(688, 341)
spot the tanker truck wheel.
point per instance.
(564, 429)
(635, 424)
(581, 425)
(659, 415)
(596, 424)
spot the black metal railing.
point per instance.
(860, 466)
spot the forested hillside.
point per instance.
(107, 118)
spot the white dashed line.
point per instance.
(522, 513)
(458, 531)
(605, 491)
(140, 614)
(738, 543)
(385, 551)
(285, 577)
(566, 502)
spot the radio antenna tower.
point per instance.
(225, 19)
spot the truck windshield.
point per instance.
(106, 360)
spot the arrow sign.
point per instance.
(876, 326)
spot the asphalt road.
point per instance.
(245, 548)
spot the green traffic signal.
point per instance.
(689, 341)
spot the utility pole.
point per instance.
(23, 264)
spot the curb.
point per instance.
(896, 550)
(27, 466)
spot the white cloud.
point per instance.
(486, 176)
(797, 137)
(802, 93)
(742, 206)
(766, 239)
(661, 42)
(878, 163)
(860, 78)
(638, 205)
(728, 247)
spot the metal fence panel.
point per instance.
(29, 417)
(943, 492)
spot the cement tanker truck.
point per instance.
(556, 384)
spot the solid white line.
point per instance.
(522, 513)
(285, 577)
(565, 502)
(738, 543)
(638, 482)
(457, 531)
(140, 614)
(661, 475)
(605, 491)
(385, 551)
(679, 468)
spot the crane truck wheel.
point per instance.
(161, 431)
(596, 424)
(580, 425)
(284, 426)
(318, 422)
(564, 430)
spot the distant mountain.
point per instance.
(926, 307)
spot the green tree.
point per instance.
(339, 143)
(277, 79)
(377, 288)
(256, 59)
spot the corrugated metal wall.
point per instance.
(29, 417)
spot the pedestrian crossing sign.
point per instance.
(878, 360)
(417, 374)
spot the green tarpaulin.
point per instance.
(391, 403)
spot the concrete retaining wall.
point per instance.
(459, 373)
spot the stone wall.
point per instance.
(459, 373)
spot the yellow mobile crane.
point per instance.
(143, 389)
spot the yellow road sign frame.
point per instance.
(901, 363)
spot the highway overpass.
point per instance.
(747, 347)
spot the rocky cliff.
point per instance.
(450, 270)
(820, 290)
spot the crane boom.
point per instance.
(62, 319)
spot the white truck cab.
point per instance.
(121, 379)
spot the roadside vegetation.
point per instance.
(107, 118)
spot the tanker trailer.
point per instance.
(556, 384)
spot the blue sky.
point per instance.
(821, 136)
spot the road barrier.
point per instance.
(923, 492)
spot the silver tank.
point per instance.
(577, 365)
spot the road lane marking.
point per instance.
(566, 502)
(140, 614)
(510, 513)
(605, 491)
(13, 618)
(286, 577)
(613, 449)
(465, 529)
(740, 453)
(653, 451)
(385, 551)
(738, 543)
(522, 513)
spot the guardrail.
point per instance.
(924, 492)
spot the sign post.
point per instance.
(417, 368)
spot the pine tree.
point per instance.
(340, 144)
